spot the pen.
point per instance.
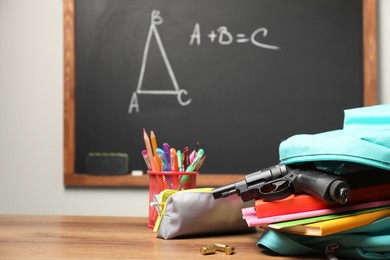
(146, 159)
(149, 150)
(163, 159)
(154, 146)
(167, 179)
(167, 151)
(193, 153)
(200, 163)
(186, 158)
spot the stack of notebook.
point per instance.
(308, 215)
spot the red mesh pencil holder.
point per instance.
(159, 181)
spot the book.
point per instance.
(249, 214)
(320, 218)
(332, 226)
(304, 202)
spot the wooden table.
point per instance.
(82, 237)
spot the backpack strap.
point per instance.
(279, 243)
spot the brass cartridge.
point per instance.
(224, 248)
(207, 250)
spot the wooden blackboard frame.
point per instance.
(74, 179)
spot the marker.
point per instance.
(173, 160)
(174, 167)
(149, 150)
(193, 153)
(167, 151)
(186, 158)
(179, 161)
(163, 159)
(200, 163)
(192, 166)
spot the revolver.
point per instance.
(280, 181)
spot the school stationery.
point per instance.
(252, 220)
(332, 226)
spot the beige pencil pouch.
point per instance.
(195, 212)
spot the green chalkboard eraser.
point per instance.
(107, 163)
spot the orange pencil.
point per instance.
(149, 150)
(154, 146)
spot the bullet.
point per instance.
(207, 250)
(224, 248)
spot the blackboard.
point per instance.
(237, 76)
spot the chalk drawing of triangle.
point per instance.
(153, 34)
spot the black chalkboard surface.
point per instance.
(237, 76)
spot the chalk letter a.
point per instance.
(134, 103)
(195, 35)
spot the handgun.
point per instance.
(281, 180)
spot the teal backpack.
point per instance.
(364, 141)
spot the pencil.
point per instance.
(154, 146)
(149, 150)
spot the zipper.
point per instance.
(330, 251)
(163, 197)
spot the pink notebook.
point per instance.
(251, 219)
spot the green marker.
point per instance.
(191, 167)
(179, 161)
(198, 156)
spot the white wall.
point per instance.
(384, 51)
(31, 116)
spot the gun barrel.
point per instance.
(224, 191)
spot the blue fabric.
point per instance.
(367, 242)
(374, 117)
(365, 139)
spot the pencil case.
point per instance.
(195, 212)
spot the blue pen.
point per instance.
(167, 151)
(164, 165)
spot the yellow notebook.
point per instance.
(332, 226)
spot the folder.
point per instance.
(332, 226)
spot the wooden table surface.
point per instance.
(84, 237)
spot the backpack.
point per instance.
(364, 142)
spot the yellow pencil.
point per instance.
(154, 146)
(149, 150)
